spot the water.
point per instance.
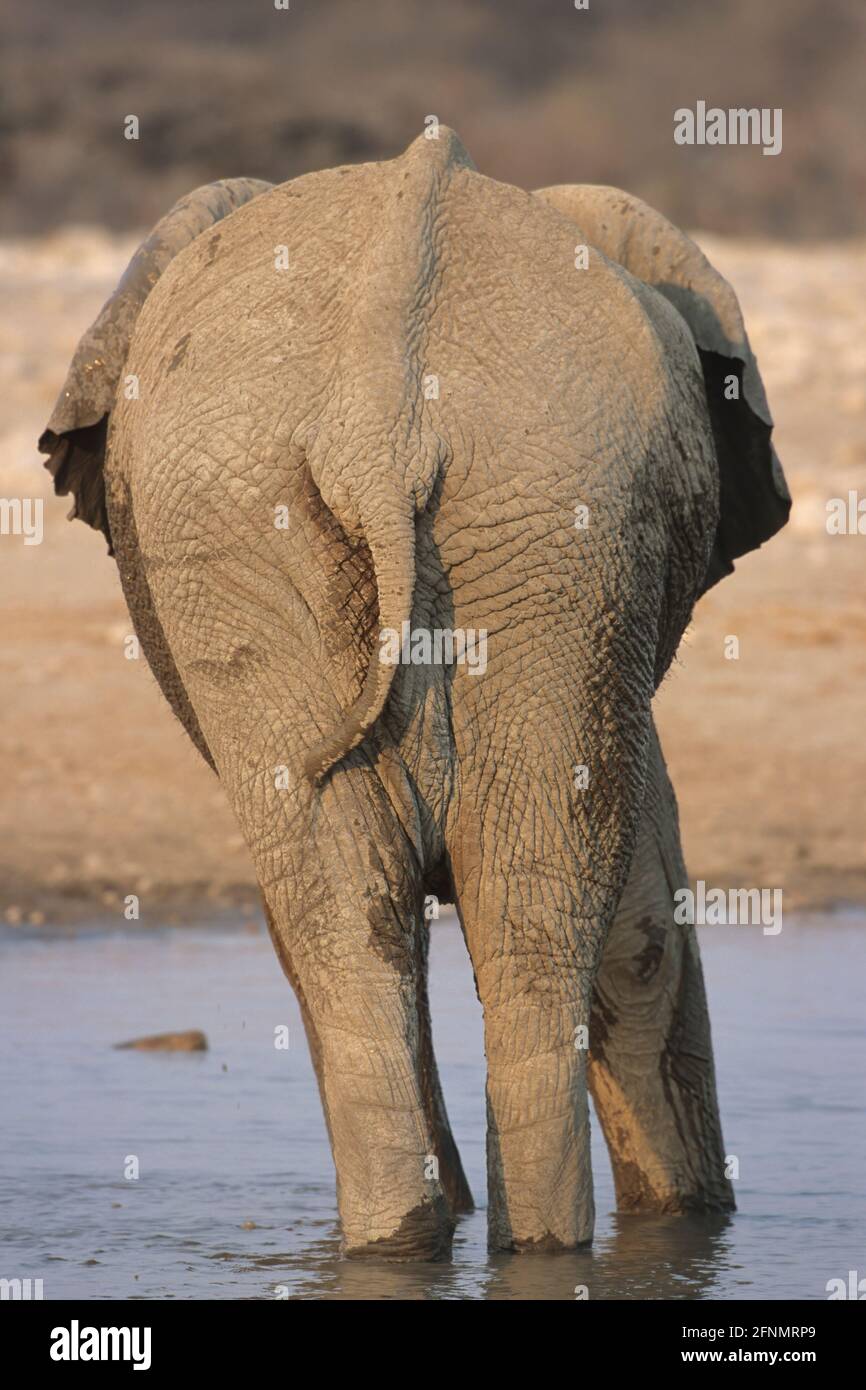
(235, 1197)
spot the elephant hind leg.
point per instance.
(343, 897)
(651, 1069)
(534, 979)
(455, 1186)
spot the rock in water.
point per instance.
(193, 1041)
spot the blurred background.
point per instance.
(541, 94)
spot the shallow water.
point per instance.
(235, 1197)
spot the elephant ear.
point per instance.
(754, 501)
(76, 433)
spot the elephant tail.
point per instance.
(389, 531)
(386, 334)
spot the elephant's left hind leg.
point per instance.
(651, 1067)
(451, 1174)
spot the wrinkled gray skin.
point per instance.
(361, 786)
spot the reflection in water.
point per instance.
(642, 1257)
(663, 1257)
(235, 1197)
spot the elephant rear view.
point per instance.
(413, 481)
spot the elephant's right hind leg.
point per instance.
(651, 1070)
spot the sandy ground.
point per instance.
(103, 796)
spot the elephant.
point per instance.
(403, 398)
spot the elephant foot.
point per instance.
(423, 1234)
(539, 1172)
(544, 1245)
(533, 1237)
(636, 1195)
(535, 1208)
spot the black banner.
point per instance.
(66, 1338)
